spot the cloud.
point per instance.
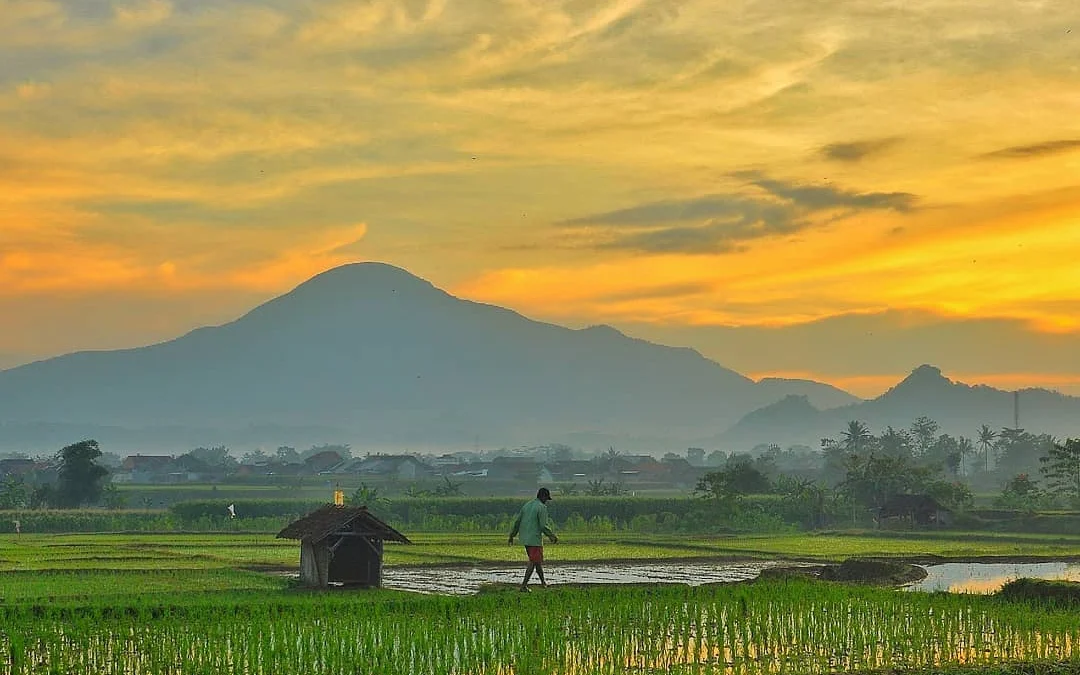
(184, 142)
(1035, 150)
(856, 151)
(724, 222)
(643, 292)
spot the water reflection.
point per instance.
(469, 580)
(990, 577)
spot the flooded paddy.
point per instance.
(465, 581)
(981, 577)
(955, 577)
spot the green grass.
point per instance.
(125, 585)
(29, 552)
(745, 629)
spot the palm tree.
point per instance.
(856, 437)
(986, 441)
(611, 457)
(966, 448)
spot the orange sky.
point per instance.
(690, 171)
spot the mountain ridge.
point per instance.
(958, 407)
(389, 358)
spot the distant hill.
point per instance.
(959, 408)
(372, 355)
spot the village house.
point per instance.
(523, 469)
(571, 471)
(322, 461)
(394, 467)
(144, 469)
(21, 467)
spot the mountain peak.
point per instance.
(927, 374)
(371, 274)
(603, 329)
(923, 381)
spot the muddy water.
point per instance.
(990, 577)
(466, 581)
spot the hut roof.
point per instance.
(901, 505)
(329, 519)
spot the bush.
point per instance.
(1055, 593)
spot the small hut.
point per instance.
(916, 509)
(342, 544)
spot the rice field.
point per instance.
(764, 627)
(192, 605)
(198, 551)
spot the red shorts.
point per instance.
(535, 553)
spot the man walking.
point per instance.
(531, 523)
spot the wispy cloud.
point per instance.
(180, 143)
(725, 222)
(1035, 150)
(856, 151)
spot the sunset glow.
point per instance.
(675, 169)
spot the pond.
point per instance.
(978, 577)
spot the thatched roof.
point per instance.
(320, 524)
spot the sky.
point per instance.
(836, 190)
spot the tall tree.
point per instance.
(895, 443)
(1061, 466)
(287, 455)
(924, 430)
(217, 458)
(872, 480)
(967, 449)
(1019, 451)
(80, 476)
(14, 493)
(857, 437)
(987, 436)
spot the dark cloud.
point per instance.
(857, 151)
(705, 239)
(733, 207)
(1035, 150)
(820, 198)
(721, 223)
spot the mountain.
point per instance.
(382, 358)
(960, 409)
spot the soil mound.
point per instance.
(874, 571)
(855, 570)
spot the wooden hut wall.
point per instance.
(314, 564)
(358, 560)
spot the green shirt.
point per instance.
(531, 523)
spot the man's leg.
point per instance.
(528, 575)
(540, 573)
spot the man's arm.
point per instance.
(543, 517)
(514, 530)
